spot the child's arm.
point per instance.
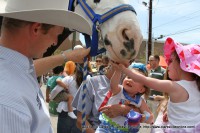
(114, 82)
(147, 115)
(156, 84)
(60, 83)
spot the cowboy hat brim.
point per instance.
(64, 18)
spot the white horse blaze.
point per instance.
(120, 29)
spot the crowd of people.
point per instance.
(118, 97)
(152, 92)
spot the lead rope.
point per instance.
(84, 95)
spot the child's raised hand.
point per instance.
(117, 66)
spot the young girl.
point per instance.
(184, 89)
(129, 93)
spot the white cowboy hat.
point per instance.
(53, 12)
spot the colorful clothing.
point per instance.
(117, 124)
(72, 85)
(51, 83)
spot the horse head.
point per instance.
(121, 34)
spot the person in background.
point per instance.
(24, 37)
(98, 62)
(67, 124)
(69, 68)
(54, 80)
(183, 88)
(53, 83)
(105, 62)
(157, 72)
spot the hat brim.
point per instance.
(63, 18)
(169, 47)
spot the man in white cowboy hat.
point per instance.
(29, 27)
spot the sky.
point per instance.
(178, 19)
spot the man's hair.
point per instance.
(157, 57)
(12, 24)
(99, 56)
(58, 69)
(105, 58)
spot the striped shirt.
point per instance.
(22, 107)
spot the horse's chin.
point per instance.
(113, 56)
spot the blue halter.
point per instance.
(97, 20)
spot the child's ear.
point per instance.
(142, 89)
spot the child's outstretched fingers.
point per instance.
(114, 65)
(117, 66)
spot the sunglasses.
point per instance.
(151, 60)
(98, 61)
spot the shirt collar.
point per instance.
(16, 58)
(157, 68)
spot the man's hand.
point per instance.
(115, 110)
(77, 55)
(111, 110)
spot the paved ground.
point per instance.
(54, 118)
(144, 128)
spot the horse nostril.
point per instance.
(124, 34)
(123, 52)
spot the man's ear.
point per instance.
(35, 28)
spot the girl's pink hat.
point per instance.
(189, 55)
